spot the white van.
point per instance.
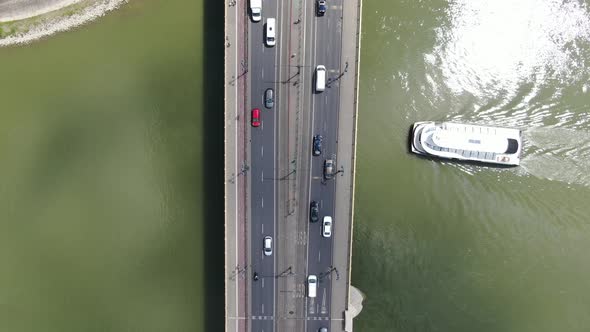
(256, 10)
(312, 285)
(320, 78)
(270, 32)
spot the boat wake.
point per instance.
(551, 153)
(558, 154)
(63, 23)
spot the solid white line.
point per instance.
(313, 61)
(302, 56)
(236, 159)
(274, 188)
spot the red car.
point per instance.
(255, 117)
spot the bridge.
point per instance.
(272, 175)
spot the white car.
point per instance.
(267, 245)
(256, 10)
(312, 285)
(327, 227)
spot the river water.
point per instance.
(109, 171)
(442, 246)
(103, 193)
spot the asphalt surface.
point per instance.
(263, 75)
(326, 46)
(323, 48)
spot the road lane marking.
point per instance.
(319, 255)
(237, 294)
(262, 228)
(313, 54)
(262, 204)
(263, 308)
(323, 309)
(262, 176)
(262, 151)
(262, 282)
(277, 62)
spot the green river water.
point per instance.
(103, 193)
(451, 247)
(112, 158)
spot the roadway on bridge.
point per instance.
(325, 48)
(263, 187)
(322, 47)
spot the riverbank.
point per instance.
(14, 10)
(52, 18)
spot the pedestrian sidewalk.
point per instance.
(236, 268)
(347, 126)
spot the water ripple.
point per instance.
(493, 47)
(519, 64)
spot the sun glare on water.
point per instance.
(494, 46)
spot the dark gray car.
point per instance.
(314, 211)
(269, 98)
(317, 145)
(321, 7)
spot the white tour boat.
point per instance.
(496, 145)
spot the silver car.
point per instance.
(267, 245)
(328, 169)
(269, 98)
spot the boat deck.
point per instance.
(468, 142)
(465, 153)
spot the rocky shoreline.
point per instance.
(14, 10)
(42, 18)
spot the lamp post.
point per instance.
(329, 272)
